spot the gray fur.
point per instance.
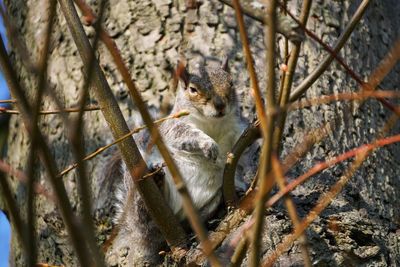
(199, 144)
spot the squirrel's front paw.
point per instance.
(210, 150)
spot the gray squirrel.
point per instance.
(199, 144)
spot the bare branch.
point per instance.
(289, 74)
(315, 74)
(42, 69)
(50, 112)
(228, 188)
(13, 210)
(265, 181)
(188, 206)
(394, 55)
(291, 208)
(285, 25)
(328, 197)
(65, 207)
(134, 131)
(166, 220)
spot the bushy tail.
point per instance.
(138, 240)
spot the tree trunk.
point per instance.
(151, 35)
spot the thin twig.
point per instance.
(240, 252)
(357, 78)
(167, 222)
(385, 66)
(346, 96)
(228, 186)
(12, 101)
(316, 73)
(134, 131)
(285, 56)
(62, 198)
(23, 178)
(291, 208)
(49, 112)
(265, 184)
(284, 25)
(188, 205)
(240, 242)
(77, 141)
(14, 211)
(327, 164)
(289, 75)
(303, 103)
(42, 70)
(252, 132)
(329, 196)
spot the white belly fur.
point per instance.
(203, 178)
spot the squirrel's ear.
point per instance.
(182, 73)
(225, 65)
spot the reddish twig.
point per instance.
(136, 130)
(291, 208)
(228, 185)
(188, 205)
(7, 101)
(21, 176)
(160, 212)
(265, 184)
(49, 112)
(394, 53)
(327, 60)
(328, 197)
(329, 163)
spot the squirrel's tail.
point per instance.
(108, 180)
(138, 240)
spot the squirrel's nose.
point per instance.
(219, 105)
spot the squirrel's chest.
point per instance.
(224, 132)
(203, 177)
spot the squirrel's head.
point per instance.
(207, 91)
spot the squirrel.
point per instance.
(199, 144)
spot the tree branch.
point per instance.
(159, 210)
(285, 25)
(315, 74)
(68, 216)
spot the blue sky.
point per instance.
(4, 240)
(4, 94)
(4, 225)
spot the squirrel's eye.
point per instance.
(193, 90)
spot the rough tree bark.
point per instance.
(151, 35)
